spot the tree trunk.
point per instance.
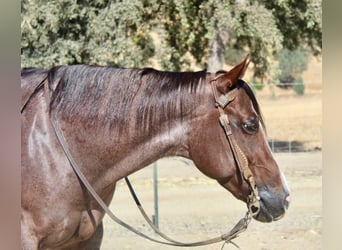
(217, 50)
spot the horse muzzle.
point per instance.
(273, 205)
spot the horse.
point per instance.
(116, 121)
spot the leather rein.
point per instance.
(241, 161)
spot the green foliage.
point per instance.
(257, 86)
(118, 32)
(185, 25)
(299, 87)
(255, 28)
(91, 32)
(233, 56)
(300, 22)
(292, 63)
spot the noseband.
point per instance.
(221, 101)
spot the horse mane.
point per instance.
(32, 72)
(113, 96)
(148, 98)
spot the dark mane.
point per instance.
(31, 70)
(116, 95)
(169, 95)
(148, 98)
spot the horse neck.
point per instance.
(145, 142)
(139, 149)
(131, 125)
(150, 142)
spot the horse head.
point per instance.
(239, 140)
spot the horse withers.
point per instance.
(116, 121)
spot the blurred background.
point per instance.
(284, 39)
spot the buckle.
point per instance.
(222, 101)
(224, 121)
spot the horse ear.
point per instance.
(229, 79)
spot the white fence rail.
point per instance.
(290, 146)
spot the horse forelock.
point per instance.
(115, 97)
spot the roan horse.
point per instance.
(116, 121)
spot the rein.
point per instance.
(241, 161)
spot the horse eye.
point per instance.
(251, 126)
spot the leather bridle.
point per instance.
(241, 161)
(221, 101)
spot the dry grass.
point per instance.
(294, 118)
(290, 117)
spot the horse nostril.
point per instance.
(287, 201)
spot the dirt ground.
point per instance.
(192, 207)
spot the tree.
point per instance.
(92, 32)
(261, 28)
(292, 63)
(120, 32)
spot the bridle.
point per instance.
(241, 161)
(221, 101)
